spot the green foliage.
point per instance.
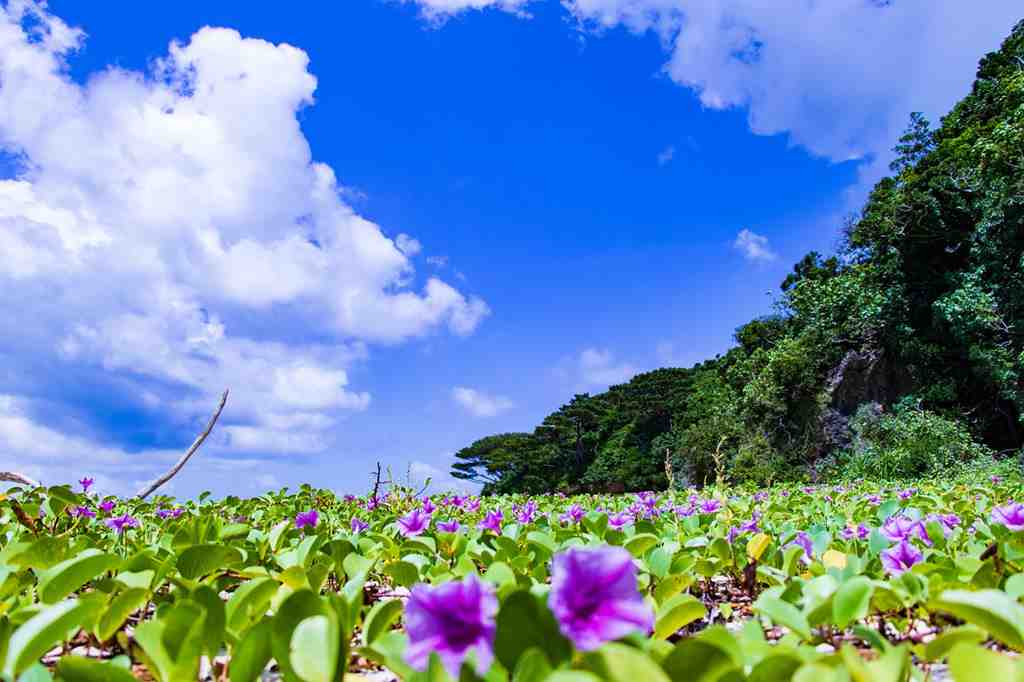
(909, 443)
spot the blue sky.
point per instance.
(476, 209)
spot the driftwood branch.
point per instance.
(170, 473)
(15, 477)
(376, 482)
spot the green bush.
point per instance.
(909, 443)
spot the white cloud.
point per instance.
(173, 228)
(598, 367)
(754, 247)
(666, 155)
(437, 261)
(407, 245)
(480, 404)
(439, 476)
(441, 9)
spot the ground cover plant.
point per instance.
(788, 583)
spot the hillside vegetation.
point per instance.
(899, 356)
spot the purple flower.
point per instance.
(527, 513)
(874, 500)
(453, 619)
(808, 489)
(492, 521)
(996, 480)
(733, 533)
(683, 512)
(107, 506)
(901, 557)
(307, 519)
(1010, 515)
(86, 483)
(751, 525)
(710, 506)
(349, 498)
(898, 528)
(803, 540)
(428, 506)
(785, 493)
(358, 525)
(169, 513)
(907, 494)
(573, 514)
(372, 503)
(449, 526)
(760, 496)
(122, 523)
(413, 523)
(595, 598)
(861, 532)
(471, 505)
(619, 521)
(80, 511)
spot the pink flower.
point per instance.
(1010, 515)
(307, 519)
(413, 523)
(901, 557)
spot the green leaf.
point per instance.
(402, 572)
(523, 622)
(695, 660)
(776, 667)
(215, 621)
(380, 618)
(970, 663)
(620, 663)
(199, 560)
(671, 585)
(42, 631)
(249, 602)
(939, 647)
(533, 666)
(851, 601)
(69, 575)
(677, 612)
(251, 655)
(299, 606)
(81, 669)
(115, 615)
(640, 543)
(991, 610)
(314, 649)
(783, 613)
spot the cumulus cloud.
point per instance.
(442, 9)
(173, 227)
(754, 247)
(599, 367)
(480, 404)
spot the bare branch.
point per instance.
(146, 491)
(15, 477)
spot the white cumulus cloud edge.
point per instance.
(480, 404)
(173, 229)
(754, 247)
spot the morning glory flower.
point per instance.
(80, 511)
(808, 489)
(710, 506)
(86, 483)
(803, 540)
(107, 506)
(760, 496)
(122, 523)
(471, 504)
(527, 513)
(1010, 515)
(683, 512)
(901, 557)
(372, 503)
(169, 513)
(449, 526)
(874, 500)
(413, 523)
(307, 519)
(453, 619)
(619, 521)
(861, 532)
(907, 494)
(733, 533)
(751, 525)
(573, 514)
(996, 480)
(358, 525)
(492, 521)
(349, 498)
(428, 505)
(594, 596)
(898, 528)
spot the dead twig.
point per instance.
(15, 477)
(148, 489)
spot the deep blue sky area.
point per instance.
(563, 174)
